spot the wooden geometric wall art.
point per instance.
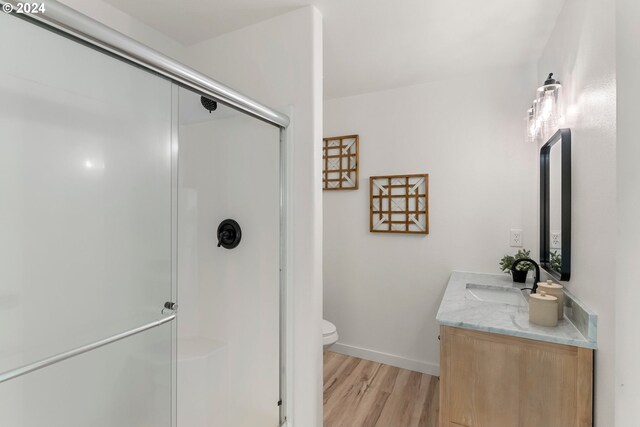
(340, 163)
(399, 204)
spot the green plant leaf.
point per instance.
(507, 261)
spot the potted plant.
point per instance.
(520, 273)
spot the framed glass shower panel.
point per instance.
(86, 224)
(230, 299)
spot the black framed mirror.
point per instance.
(555, 205)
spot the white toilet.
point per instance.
(329, 334)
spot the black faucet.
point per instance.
(535, 264)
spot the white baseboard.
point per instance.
(387, 359)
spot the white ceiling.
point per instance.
(372, 45)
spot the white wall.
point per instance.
(383, 291)
(279, 62)
(581, 53)
(628, 248)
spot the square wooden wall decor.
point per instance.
(340, 163)
(399, 204)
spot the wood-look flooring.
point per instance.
(360, 393)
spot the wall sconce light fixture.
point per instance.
(545, 115)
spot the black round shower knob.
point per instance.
(229, 234)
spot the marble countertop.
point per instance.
(457, 309)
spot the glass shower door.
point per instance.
(229, 330)
(86, 200)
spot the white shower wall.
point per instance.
(228, 349)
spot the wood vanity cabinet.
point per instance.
(492, 380)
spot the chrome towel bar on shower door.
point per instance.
(14, 373)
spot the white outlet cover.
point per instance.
(556, 240)
(516, 238)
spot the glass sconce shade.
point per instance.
(546, 114)
(531, 126)
(549, 97)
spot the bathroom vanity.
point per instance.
(498, 370)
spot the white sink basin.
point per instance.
(496, 294)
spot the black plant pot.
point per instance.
(519, 276)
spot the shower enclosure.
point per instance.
(117, 306)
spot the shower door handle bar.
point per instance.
(15, 373)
